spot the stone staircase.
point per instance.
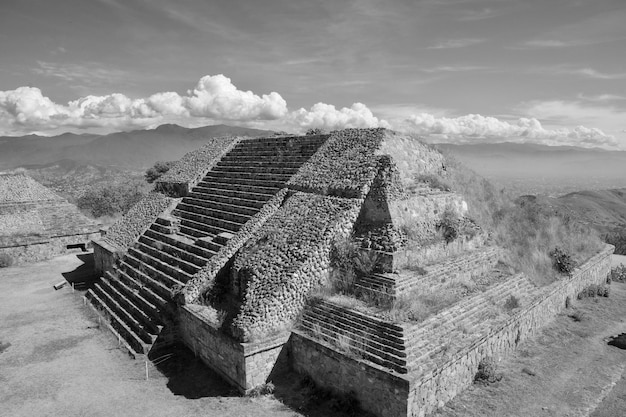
(136, 297)
(466, 264)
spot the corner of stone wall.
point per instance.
(105, 255)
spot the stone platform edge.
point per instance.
(388, 394)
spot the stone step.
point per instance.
(259, 164)
(182, 243)
(268, 177)
(132, 291)
(212, 180)
(170, 275)
(147, 322)
(206, 223)
(385, 327)
(166, 230)
(239, 196)
(218, 197)
(315, 139)
(161, 255)
(153, 291)
(133, 342)
(243, 190)
(241, 158)
(211, 212)
(221, 206)
(369, 355)
(304, 150)
(156, 269)
(123, 315)
(392, 343)
(174, 251)
(234, 169)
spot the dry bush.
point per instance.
(5, 260)
(487, 371)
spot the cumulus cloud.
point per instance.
(472, 126)
(327, 117)
(26, 109)
(216, 97)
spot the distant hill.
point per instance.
(135, 150)
(540, 169)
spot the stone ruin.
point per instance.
(229, 252)
(37, 224)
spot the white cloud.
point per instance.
(327, 117)
(456, 43)
(216, 97)
(213, 100)
(472, 126)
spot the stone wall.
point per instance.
(193, 166)
(421, 391)
(444, 383)
(244, 365)
(378, 390)
(38, 249)
(105, 255)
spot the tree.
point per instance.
(111, 199)
(154, 173)
(315, 131)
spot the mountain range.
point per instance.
(135, 150)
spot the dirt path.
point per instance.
(576, 372)
(59, 363)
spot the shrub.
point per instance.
(155, 172)
(5, 260)
(449, 225)
(562, 261)
(618, 274)
(315, 131)
(260, 390)
(433, 181)
(577, 316)
(594, 290)
(111, 199)
(487, 371)
(511, 303)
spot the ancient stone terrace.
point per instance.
(234, 254)
(36, 223)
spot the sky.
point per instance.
(462, 71)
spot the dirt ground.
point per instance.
(55, 361)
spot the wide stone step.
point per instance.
(237, 159)
(245, 188)
(184, 254)
(305, 150)
(160, 271)
(212, 180)
(123, 315)
(236, 170)
(163, 256)
(206, 223)
(182, 243)
(221, 206)
(211, 212)
(384, 327)
(283, 140)
(133, 292)
(257, 164)
(384, 360)
(233, 196)
(117, 325)
(146, 322)
(392, 343)
(173, 251)
(153, 291)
